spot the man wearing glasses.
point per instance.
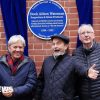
(89, 55)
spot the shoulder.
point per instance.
(3, 58)
(98, 44)
(77, 51)
(28, 60)
(49, 58)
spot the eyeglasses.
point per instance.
(86, 32)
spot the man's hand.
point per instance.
(7, 91)
(92, 72)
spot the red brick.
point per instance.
(38, 46)
(73, 22)
(38, 58)
(70, 4)
(72, 10)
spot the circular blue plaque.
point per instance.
(46, 18)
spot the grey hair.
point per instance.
(88, 26)
(15, 38)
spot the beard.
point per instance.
(57, 54)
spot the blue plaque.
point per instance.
(46, 18)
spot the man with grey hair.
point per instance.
(89, 55)
(57, 77)
(17, 72)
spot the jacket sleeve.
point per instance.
(80, 69)
(40, 85)
(30, 84)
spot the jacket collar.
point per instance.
(88, 51)
(3, 60)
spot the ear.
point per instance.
(8, 47)
(93, 36)
(79, 36)
(66, 46)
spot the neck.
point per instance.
(88, 46)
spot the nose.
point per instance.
(86, 34)
(54, 46)
(17, 49)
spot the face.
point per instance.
(16, 50)
(58, 47)
(86, 36)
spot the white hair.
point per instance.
(15, 38)
(87, 26)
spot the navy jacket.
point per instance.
(23, 82)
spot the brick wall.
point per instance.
(39, 49)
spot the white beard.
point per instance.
(57, 54)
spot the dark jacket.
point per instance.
(23, 81)
(56, 80)
(89, 89)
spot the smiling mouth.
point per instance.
(86, 38)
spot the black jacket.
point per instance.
(89, 89)
(56, 80)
